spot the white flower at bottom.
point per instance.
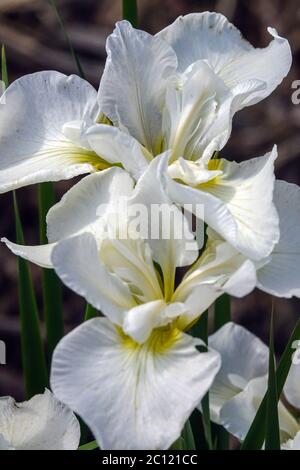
(41, 423)
(241, 384)
(131, 396)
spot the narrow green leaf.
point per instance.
(90, 312)
(272, 421)
(130, 12)
(222, 311)
(222, 315)
(72, 50)
(188, 437)
(178, 445)
(256, 434)
(51, 285)
(89, 446)
(33, 358)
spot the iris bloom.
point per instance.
(136, 375)
(176, 92)
(242, 382)
(41, 423)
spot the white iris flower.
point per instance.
(242, 382)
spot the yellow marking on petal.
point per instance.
(160, 341)
(215, 164)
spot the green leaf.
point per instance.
(256, 434)
(222, 315)
(72, 50)
(272, 421)
(89, 446)
(51, 285)
(90, 312)
(130, 12)
(33, 358)
(222, 311)
(188, 437)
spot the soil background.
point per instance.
(34, 41)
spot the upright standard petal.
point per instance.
(34, 145)
(169, 235)
(132, 88)
(209, 36)
(233, 203)
(41, 423)
(131, 396)
(244, 357)
(280, 275)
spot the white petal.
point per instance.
(33, 112)
(174, 246)
(132, 88)
(41, 423)
(39, 254)
(292, 386)
(233, 207)
(131, 397)
(209, 36)
(198, 114)
(142, 319)
(244, 357)
(77, 262)
(115, 146)
(292, 444)
(238, 413)
(281, 275)
(81, 208)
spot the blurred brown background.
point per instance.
(34, 41)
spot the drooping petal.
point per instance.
(116, 147)
(281, 275)
(33, 113)
(232, 204)
(131, 396)
(38, 254)
(244, 357)
(82, 209)
(85, 204)
(77, 262)
(132, 88)
(209, 36)
(41, 423)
